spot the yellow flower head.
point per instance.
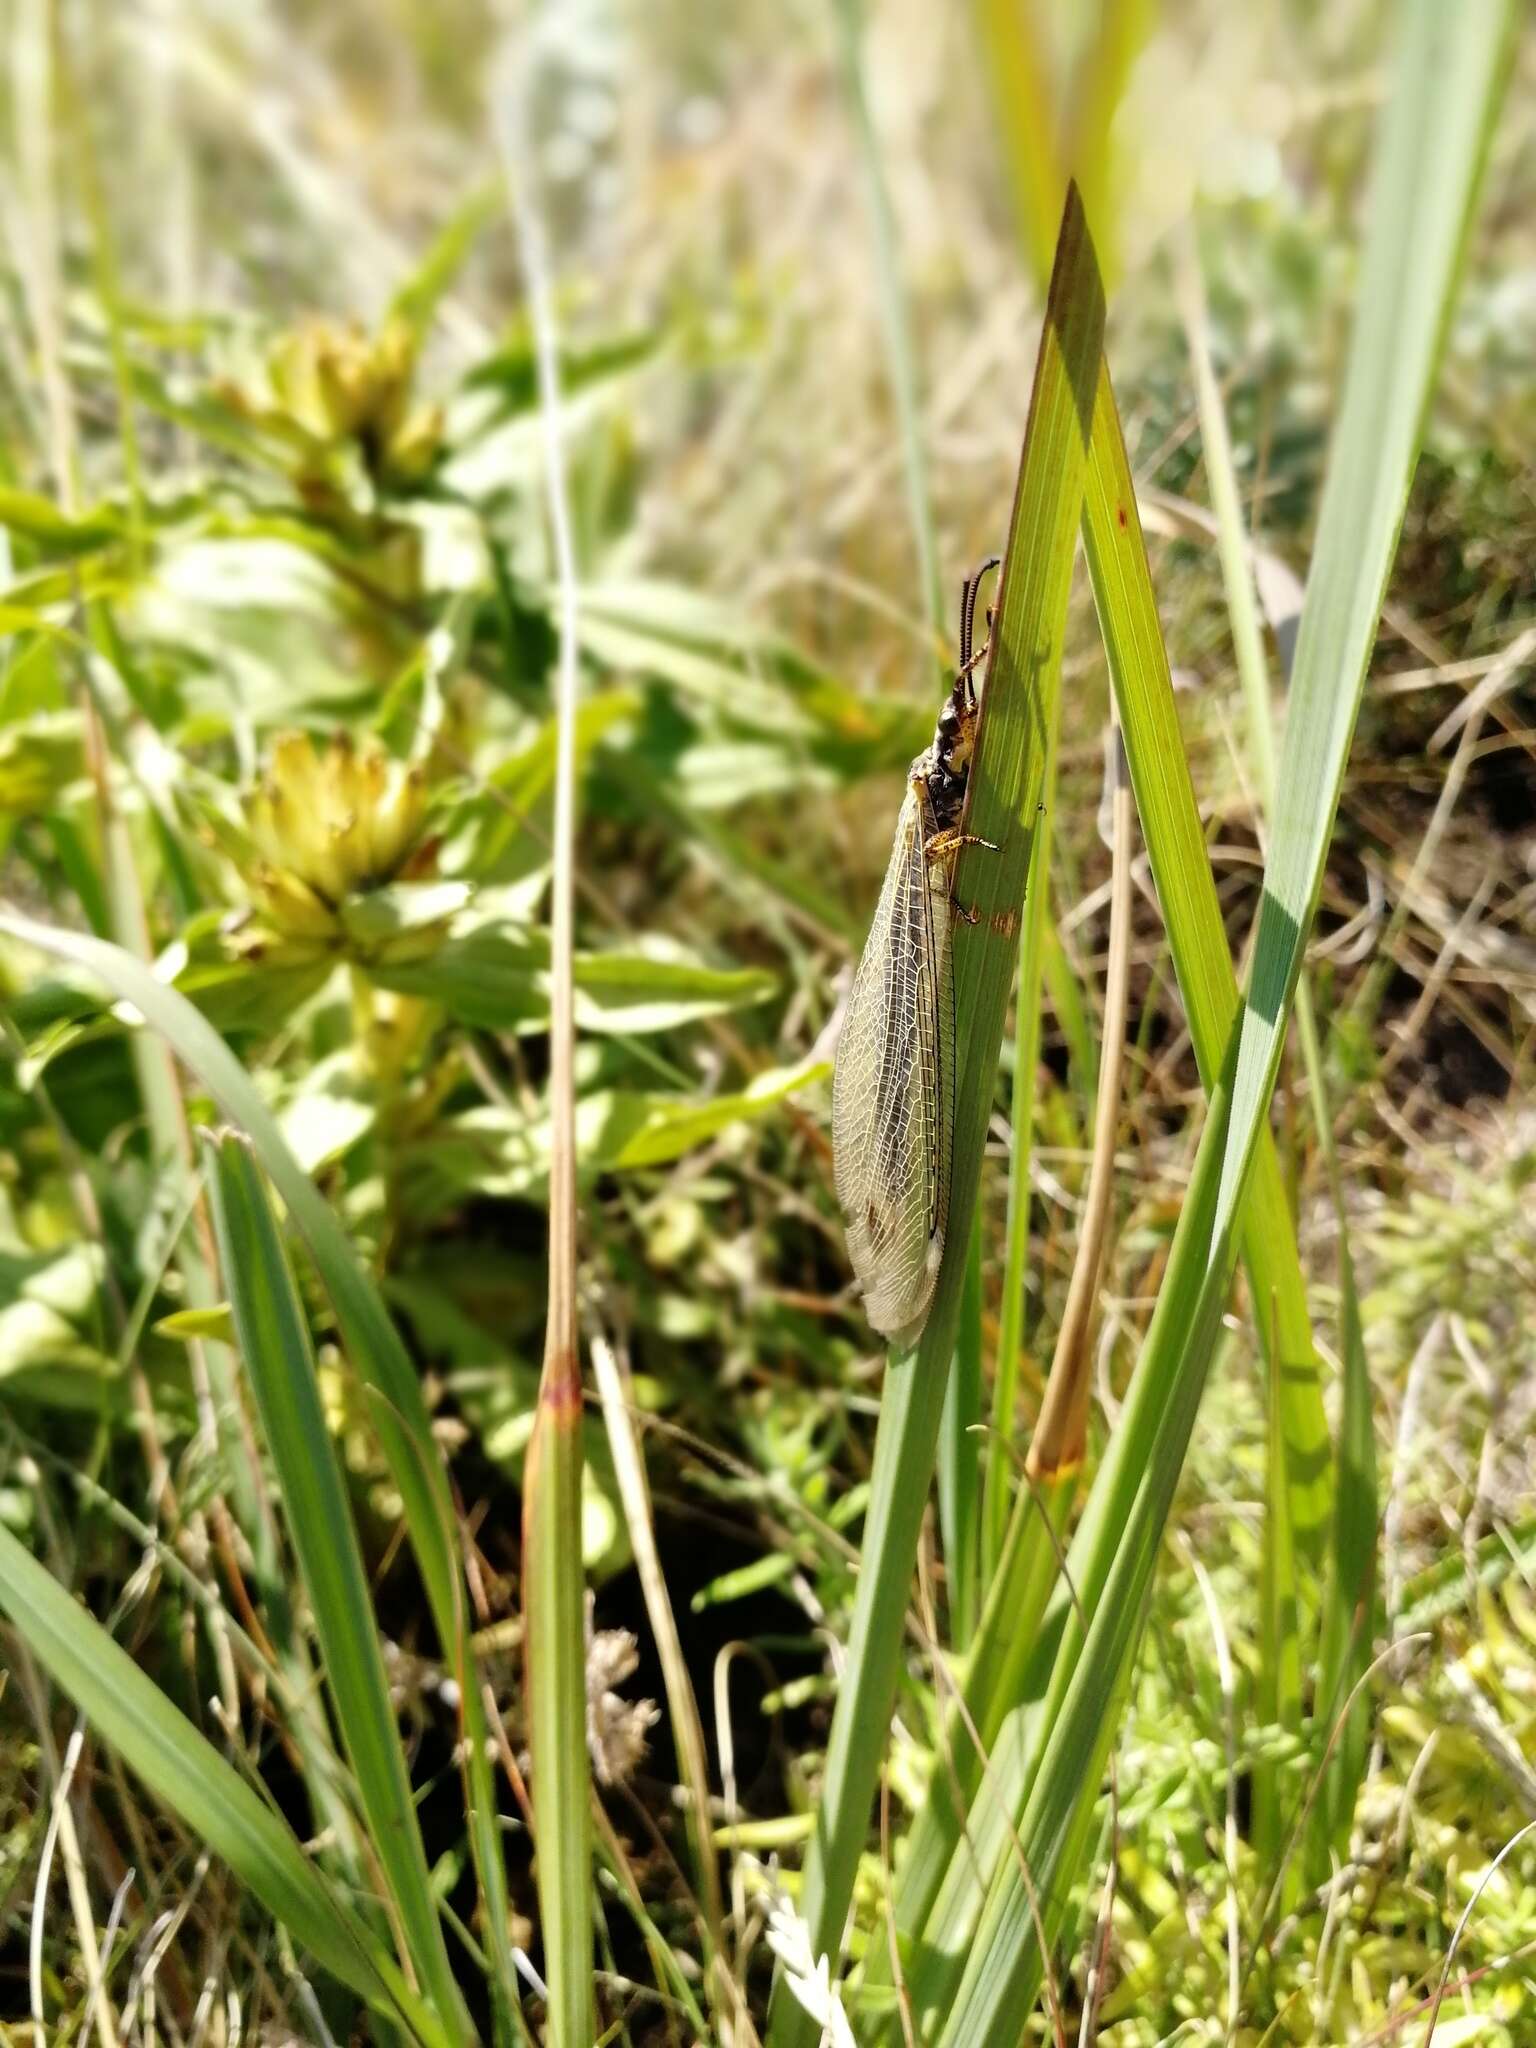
(327, 823)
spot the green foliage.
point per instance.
(1216, 1732)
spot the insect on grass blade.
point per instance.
(893, 1089)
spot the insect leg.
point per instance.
(946, 846)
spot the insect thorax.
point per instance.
(945, 769)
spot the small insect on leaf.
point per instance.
(893, 1088)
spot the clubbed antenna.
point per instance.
(970, 589)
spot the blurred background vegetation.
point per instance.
(275, 712)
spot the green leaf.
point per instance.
(496, 978)
(280, 1365)
(1037, 944)
(1343, 1711)
(192, 1325)
(488, 835)
(39, 758)
(512, 372)
(960, 1461)
(621, 1131)
(396, 1403)
(659, 987)
(400, 911)
(729, 665)
(330, 1110)
(48, 1302)
(416, 299)
(497, 1152)
(181, 1767)
(1186, 891)
(250, 995)
(1293, 1470)
(58, 536)
(44, 1358)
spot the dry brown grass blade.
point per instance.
(1059, 1437)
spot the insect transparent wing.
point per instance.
(891, 1093)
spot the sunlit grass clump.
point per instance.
(468, 1570)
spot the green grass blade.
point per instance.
(1034, 941)
(415, 300)
(959, 1453)
(556, 1687)
(1165, 797)
(1349, 1597)
(1175, 840)
(1231, 537)
(1277, 1693)
(1186, 889)
(1020, 702)
(1016, 65)
(893, 317)
(373, 1344)
(274, 1340)
(1000, 1653)
(181, 1767)
(960, 1459)
(1435, 134)
(1430, 153)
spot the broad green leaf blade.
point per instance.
(181, 1767)
(372, 1342)
(55, 534)
(496, 977)
(497, 1152)
(1019, 708)
(1434, 135)
(274, 1341)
